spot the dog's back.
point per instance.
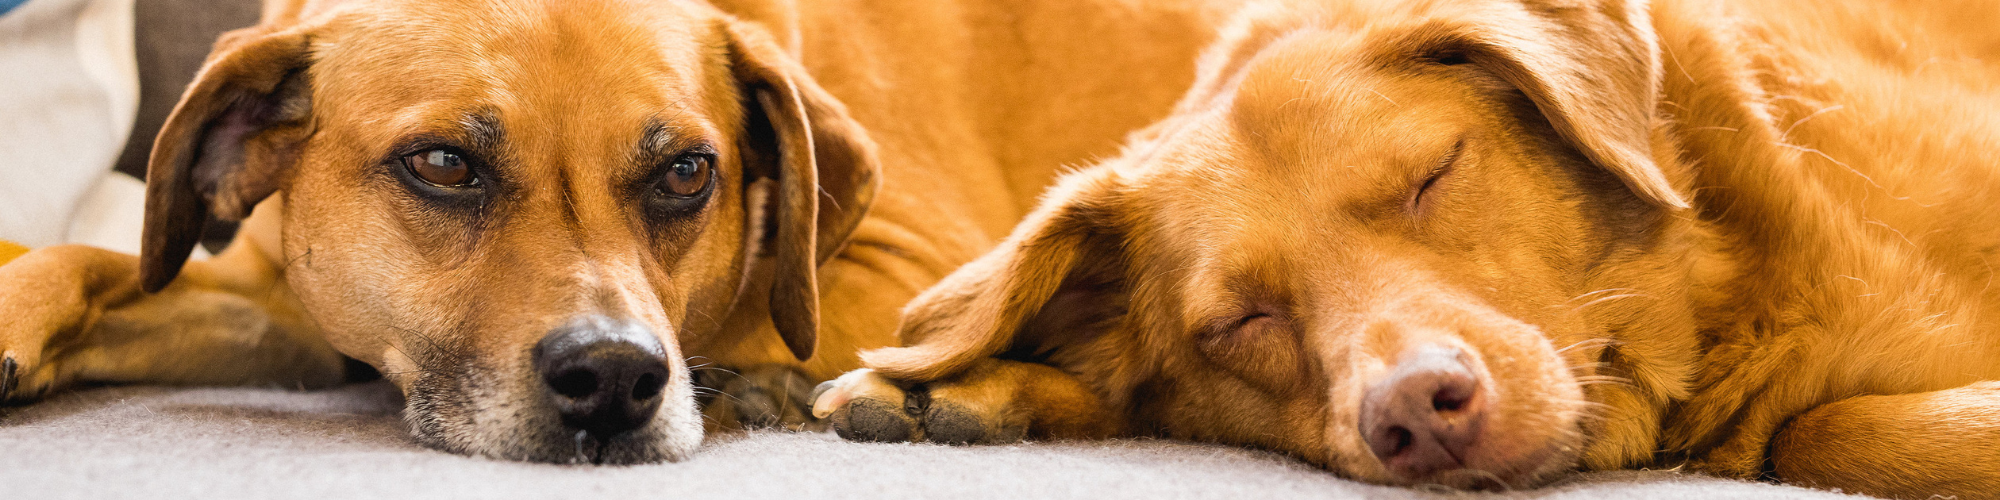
(1851, 186)
(1906, 132)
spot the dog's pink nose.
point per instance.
(1426, 414)
(603, 377)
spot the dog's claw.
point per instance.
(826, 399)
(7, 378)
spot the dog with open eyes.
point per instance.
(534, 216)
(1480, 243)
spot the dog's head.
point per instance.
(519, 211)
(1390, 247)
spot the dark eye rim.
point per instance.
(663, 204)
(456, 197)
(708, 183)
(476, 180)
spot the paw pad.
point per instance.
(873, 420)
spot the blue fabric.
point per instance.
(9, 5)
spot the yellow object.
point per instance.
(9, 250)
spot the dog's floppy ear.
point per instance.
(1591, 66)
(826, 174)
(227, 145)
(1058, 279)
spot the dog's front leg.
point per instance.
(77, 314)
(993, 401)
(1940, 444)
(764, 396)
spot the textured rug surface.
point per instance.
(152, 442)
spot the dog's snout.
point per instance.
(601, 380)
(1424, 416)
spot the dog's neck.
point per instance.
(1715, 136)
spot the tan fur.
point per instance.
(864, 150)
(1249, 264)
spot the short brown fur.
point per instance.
(862, 151)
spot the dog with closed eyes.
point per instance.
(534, 216)
(1479, 243)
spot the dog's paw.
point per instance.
(864, 406)
(770, 396)
(25, 373)
(21, 379)
(1731, 460)
(38, 299)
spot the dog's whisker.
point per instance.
(1490, 476)
(719, 392)
(420, 368)
(1607, 290)
(1590, 380)
(418, 334)
(711, 320)
(1588, 367)
(1588, 343)
(1609, 298)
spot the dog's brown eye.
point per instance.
(687, 176)
(440, 167)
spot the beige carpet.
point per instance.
(151, 442)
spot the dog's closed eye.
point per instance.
(1444, 167)
(1259, 345)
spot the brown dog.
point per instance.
(531, 215)
(1482, 242)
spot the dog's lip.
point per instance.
(1539, 462)
(578, 449)
(674, 434)
(1479, 473)
(594, 450)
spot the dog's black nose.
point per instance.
(603, 377)
(1426, 414)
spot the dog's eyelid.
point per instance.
(416, 144)
(1450, 56)
(1450, 159)
(705, 149)
(1444, 166)
(1224, 325)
